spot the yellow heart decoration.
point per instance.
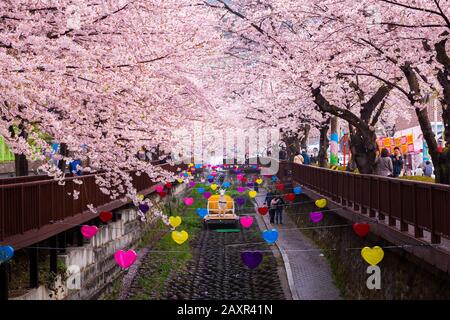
(180, 180)
(213, 186)
(259, 181)
(189, 173)
(180, 236)
(175, 221)
(140, 197)
(190, 165)
(252, 193)
(321, 203)
(372, 256)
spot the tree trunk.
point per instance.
(363, 147)
(304, 139)
(323, 145)
(292, 146)
(64, 151)
(441, 160)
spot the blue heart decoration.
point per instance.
(274, 178)
(202, 212)
(270, 236)
(201, 190)
(198, 166)
(210, 177)
(6, 253)
(226, 184)
(185, 174)
(297, 190)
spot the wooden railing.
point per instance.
(37, 203)
(404, 203)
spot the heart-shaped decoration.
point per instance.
(210, 177)
(162, 194)
(190, 165)
(88, 231)
(200, 190)
(240, 201)
(159, 188)
(252, 193)
(297, 190)
(202, 180)
(180, 180)
(372, 256)
(321, 203)
(259, 181)
(316, 216)
(361, 229)
(239, 176)
(6, 253)
(251, 259)
(250, 184)
(202, 212)
(188, 201)
(192, 184)
(105, 216)
(279, 186)
(263, 210)
(246, 221)
(140, 197)
(185, 175)
(180, 236)
(198, 165)
(270, 236)
(144, 207)
(244, 180)
(168, 185)
(226, 184)
(211, 180)
(206, 195)
(289, 197)
(213, 186)
(274, 178)
(214, 173)
(240, 189)
(125, 258)
(174, 221)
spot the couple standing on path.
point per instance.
(275, 204)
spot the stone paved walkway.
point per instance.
(309, 273)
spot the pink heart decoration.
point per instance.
(125, 258)
(159, 188)
(192, 184)
(246, 221)
(240, 176)
(188, 201)
(240, 189)
(89, 231)
(316, 216)
(214, 173)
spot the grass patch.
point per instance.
(175, 256)
(418, 178)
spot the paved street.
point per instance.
(309, 273)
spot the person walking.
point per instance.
(306, 158)
(428, 169)
(268, 202)
(383, 164)
(278, 204)
(298, 159)
(397, 162)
